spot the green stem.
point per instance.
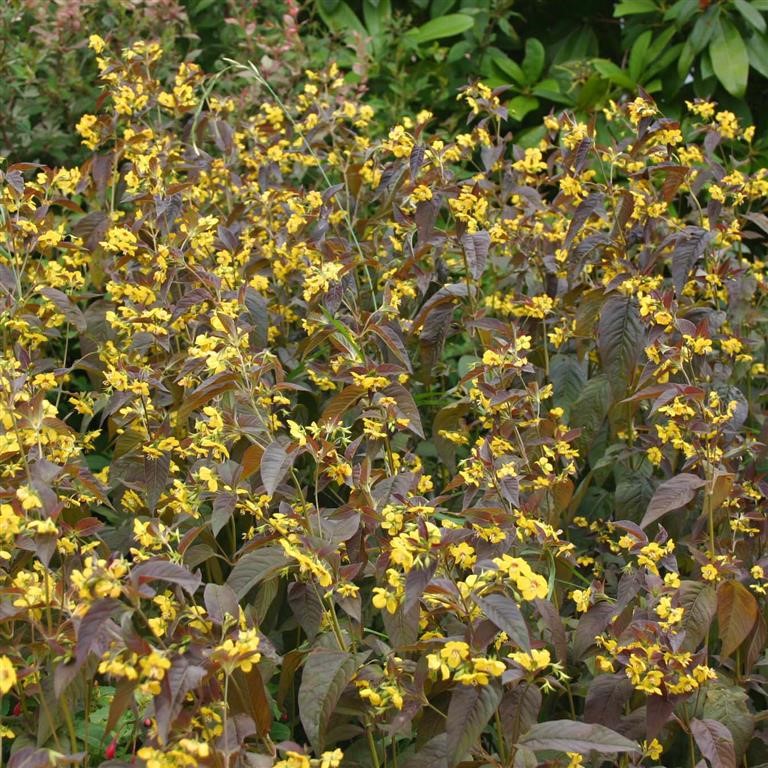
(372, 745)
(500, 738)
(710, 513)
(64, 704)
(226, 715)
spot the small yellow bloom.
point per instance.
(7, 674)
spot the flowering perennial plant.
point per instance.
(321, 450)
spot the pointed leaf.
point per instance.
(737, 612)
(450, 25)
(183, 676)
(533, 63)
(671, 495)
(519, 710)
(163, 570)
(325, 675)
(471, 707)
(275, 464)
(699, 602)
(504, 613)
(254, 567)
(730, 59)
(476, 245)
(620, 339)
(715, 742)
(606, 698)
(434, 754)
(570, 736)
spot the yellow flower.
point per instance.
(534, 661)
(7, 674)
(652, 749)
(96, 43)
(582, 598)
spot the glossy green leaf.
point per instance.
(510, 68)
(341, 19)
(533, 63)
(751, 15)
(757, 49)
(730, 60)
(520, 106)
(614, 73)
(638, 55)
(450, 25)
(634, 7)
(377, 16)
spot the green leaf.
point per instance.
(341, 19)
(471, 707)
(728, 703)
(533, 63)
(450, 25)
(440, 7)
(751, 15)
(705, 28)
(377, 16)
(520, 106)
(510, 68)
(570, 736)
(638, 55)
(730, 59)
(737, 611)
(614, 73)
(633, 7)
(201, 5)
(671, 495)
(757, 48)
(685, 61)
(682, 11)
(325, 676)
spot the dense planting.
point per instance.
(320, 449)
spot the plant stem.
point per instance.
(372, 746)
(709, 512)
(500, 738)
(226, 716)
